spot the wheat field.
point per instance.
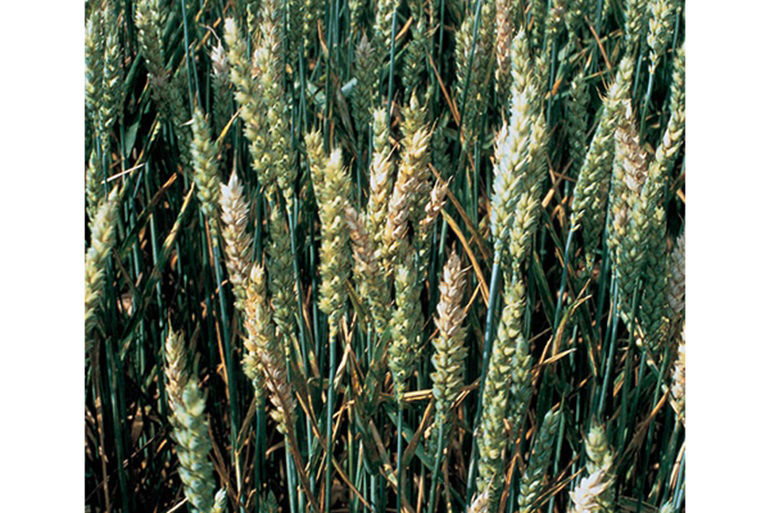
(384, 256)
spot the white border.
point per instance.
(728, 181)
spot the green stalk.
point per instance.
(611, 354)
(399, 455)
(621, 434)
(329, 411)
(563, 283)
(231, 378)
(645, 104)
(489, 330)
(392, 62)
(436, 465)
(476, 20)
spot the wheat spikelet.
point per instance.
(492, 439)
(176, 111)
(506, 13)
(442, 158)
(526, 217)
(395, 245)
(414, 67)
(677, 397)
(280, 265)
(480, 502)
(450, 350)
(577, 120)
(666, 151)
(366, 74)
(425, 229)
(629, 226)
(600, 459)
(368, 274)
(238, 242)
(190, 427)
(264, 352)
(593, 183)
(532, 482)
(278, 155)
(384, 10)
(410, 192)
(316, 158)
(662, 15)
(111, 90)
(220, 83)
(206, 176)
(335, 252)
(433, 208)
(166, 93)
(192, 447)
(415, 141)
(380, 184)
(220, 502)
(176, 371)
(584, 496)
(405, 325)
(313, 14)
(514, 149)
(258, 325)
(676, 279)
(293, 34)
(635, 17)
(148, 25)
(94, 185)
(521, 385)
(598, 451)
(102, 229)
(240, 75)
(248, 97)
(652, 307)
(576, 10)
(94, 56)
(539, 11)
(480, 67)
(554, 23)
